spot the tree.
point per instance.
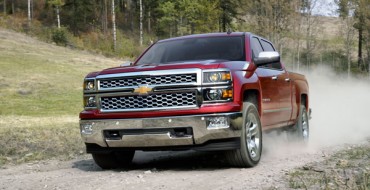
(346, 8)
(167, 22)
(310, 23)
(114, 26)
(4, 7)
(270, 18)
(104, 16)
(295, 34)
(227, 13)
(187, 17)
(141, 22)
(29, 4)
(80, 15)
(356, 11)
(151, 13)
(198, 16)
(361, 15)
(57, 4)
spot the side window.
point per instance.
(267, 46)
(276, 65)
(256, 47)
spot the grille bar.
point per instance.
(157, 101)
(123, 82)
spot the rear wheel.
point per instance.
(249, 153)
(301, 130)
(113, 160)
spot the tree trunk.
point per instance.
(308, 39)
(141, 22)
(13, 7)
(149, 27)
(348, 50)
(348, 65)
(58, 16)
(105, 17)
(223, 21)
(114, 27)
(29, 12)
(31, 9)
(4, 7)
(74, 22)
(360, 38)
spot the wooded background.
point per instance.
(124, 28)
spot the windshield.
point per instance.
(228, 48)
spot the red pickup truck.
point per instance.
(203, 92)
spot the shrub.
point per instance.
(59, 36)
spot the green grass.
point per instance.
(346, 169)
(25, 139)
(40, 79)
(41, 97)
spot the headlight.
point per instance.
(89, 85)
(89, 102)
(219, 94)
(216, 77)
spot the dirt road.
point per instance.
(339, 118)
(163, 170)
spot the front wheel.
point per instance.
(249, 153)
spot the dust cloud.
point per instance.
(340, 108)
(340, 116)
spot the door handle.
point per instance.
(274, 78)
(287, 80)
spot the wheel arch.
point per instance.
(253, 96)
(301, 93)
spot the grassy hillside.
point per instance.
(41, 96)
(39, 79)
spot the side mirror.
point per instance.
(126, 64)
(266, 57)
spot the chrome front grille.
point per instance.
(158, 101)
(123, 82)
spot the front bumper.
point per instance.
(169, 132)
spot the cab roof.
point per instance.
(206, 35)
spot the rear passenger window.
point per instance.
(256, 47)
(267, 46)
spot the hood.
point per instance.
(206, 64)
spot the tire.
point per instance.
(249, 153)
(301, 130)
(113, 160)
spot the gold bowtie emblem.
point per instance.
(143, 90)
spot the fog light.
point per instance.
(86, 128)
(218, 122)
(90, 102)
